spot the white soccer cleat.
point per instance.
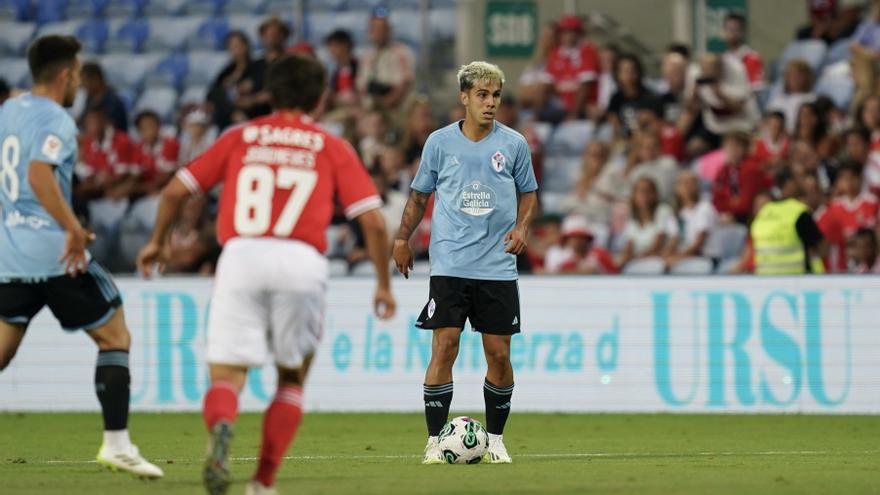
(433, 455)
(497, 453)
(257, 488)
(128, 460)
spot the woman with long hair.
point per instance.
(651, 226)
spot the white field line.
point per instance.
(540, 456)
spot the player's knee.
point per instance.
(446, 350)
(498, 357)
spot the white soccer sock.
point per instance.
(433, 439)
(117, 440)
(493, 437)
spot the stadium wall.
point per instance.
(674, 344)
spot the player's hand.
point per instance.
(153, 254)
(515, 240)
(74, 256)
(403, 256)
(383, 304)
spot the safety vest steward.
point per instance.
(778, 248)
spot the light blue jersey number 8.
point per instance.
(10, 154)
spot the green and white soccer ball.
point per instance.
(463, 440)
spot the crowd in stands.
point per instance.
(636, 174)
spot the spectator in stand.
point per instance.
(773, 144)
(651, 226)
(649, 120)
(868, 116)
(856, 145)
(252, 99)
(101, 96)
(806, 161)
(573, 65)
(508, 114)
(155, 156)
(673, 70)
(386, 73)
(856, 209)
(545, 236)
(5, 91)
(811, 127)
(193, 245)
(848, 19)
(105, 181)
(630, 95)
(197, 135)
(649, 161)
(343, 93)
(829, 222)
(233, 89)
(697, 219)
(864, 257)
(739, 181)
(797, 89)
(865, 49)
(371, 133)
(586, 198)
(821, 26)
(392, 165)
(720, 93)
(578, 254)
(419, 125)
(535, 84)
(734, 34)
(605, 85)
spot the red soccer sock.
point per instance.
(279, 427)
(221, 403)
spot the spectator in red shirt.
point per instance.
(864, 257)
(857, 209)
(573, 66)
(649, 117)
(343, 97)
(739, 181)
(734, 34)
(772, 146)
(577, 253)
(106, 157)
(155, 156)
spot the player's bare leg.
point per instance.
(112, 382)
(280, 424)
(497, 391)
(438, 388)
(11, 335)
(219, 411)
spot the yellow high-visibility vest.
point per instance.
(778, 248)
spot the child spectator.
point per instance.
(578, 255)
(864, 257)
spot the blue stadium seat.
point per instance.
(645, 266)
(560, 172)
(170, 33)
(85, 9)
(406, 25)
(210, 35)
(67, 28)
(204, 67)
(15, 36)
(694, 265)
(169, 72)
(50, 11)
(836, 82)
(570, 138)
(320, 24)
(283, 8)
(124, 8)
(128, 71)
(442, 23)
(16, 72)
(205, 7)
(129, 97)
(165, 7)
(160, 100)
(93, 33)
(726, 241)
(252, 7)
(248, 24)
(128, 35)
(195, 94)
(19, 10)
(811, 51)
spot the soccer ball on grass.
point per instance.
(463, 440)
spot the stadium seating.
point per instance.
(19, 10)
(128, 35)
(170, 71)
(811, 51)
(726, 241)
(692, 266)
(15, 71)
(194, 94)
(128, 70)
(204, 67)
(836, 82)
(93, 33)
(645, 266)
(165, 7)
(838, 52)
(160, 100)
(14, 37)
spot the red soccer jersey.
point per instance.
(768, 151)
(830, 223)
(114, 155)
(569, 67)
(161, 158)
(281, 174)
(672, 142)
(859, 212)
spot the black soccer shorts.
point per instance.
(85, 302)
(492, 306)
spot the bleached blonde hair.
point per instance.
(470, 74)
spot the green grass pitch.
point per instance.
(553, 454)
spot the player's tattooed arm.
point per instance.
(412, 216)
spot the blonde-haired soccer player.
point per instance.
(481, 172)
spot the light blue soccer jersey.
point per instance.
(32, 128)
(475, 204)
